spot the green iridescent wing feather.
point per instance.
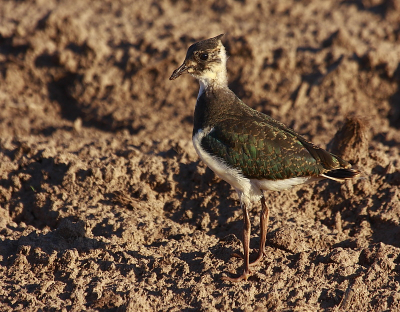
(263, 148)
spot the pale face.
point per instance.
(205, 60)
(207, 64)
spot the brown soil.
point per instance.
(104, 204)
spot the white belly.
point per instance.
(280, 185)
(251, 189)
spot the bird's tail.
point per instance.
(341, 174)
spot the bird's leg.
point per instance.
(264, 218)
(246, 247)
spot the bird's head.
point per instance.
(204, 60)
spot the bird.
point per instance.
(248, 149)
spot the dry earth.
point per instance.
(104, 204)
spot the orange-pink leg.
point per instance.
(264, 218)
(246, 247)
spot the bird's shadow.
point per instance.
(206, 202)
(209, 204)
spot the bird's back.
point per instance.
(258, 145)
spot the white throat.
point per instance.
(215, 75)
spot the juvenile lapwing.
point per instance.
(249, 150)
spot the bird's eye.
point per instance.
(203, 56)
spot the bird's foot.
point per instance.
(242, 277)
(237, 255)
(255, 262)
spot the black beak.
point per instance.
(179, 71)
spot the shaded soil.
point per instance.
(104, 204)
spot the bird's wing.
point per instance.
(262, 148)
(328, 160)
